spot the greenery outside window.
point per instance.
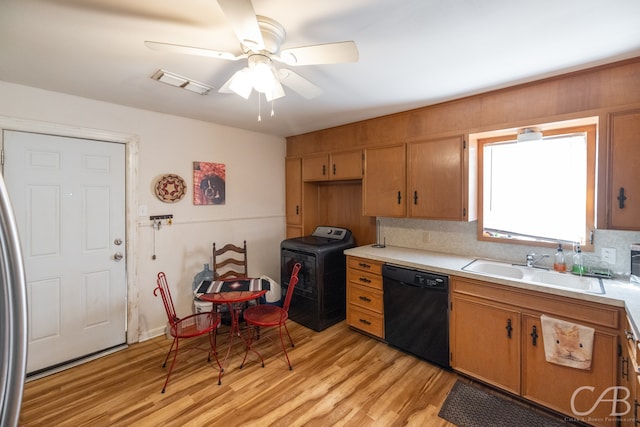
(538, 192)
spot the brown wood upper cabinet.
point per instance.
(624, 163)
(437, 184)
(383, 185)
(343, 165)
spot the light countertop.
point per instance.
(619, 293)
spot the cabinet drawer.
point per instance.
(364, 278)
(365, 320)
(363, 264)
(364, 296)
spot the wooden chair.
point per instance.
(193, 325)
(230, 261)
(265, 315)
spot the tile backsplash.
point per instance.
(460, 238)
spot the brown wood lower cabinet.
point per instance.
(486, 341)
(629, 374)
(364, 296)
(497, 338)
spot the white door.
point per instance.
(68, 196)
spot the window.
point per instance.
(541, 192)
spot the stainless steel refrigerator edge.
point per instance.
(13, 315)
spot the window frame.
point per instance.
(591, 132)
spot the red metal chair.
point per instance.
(261, 316)
(193, 325)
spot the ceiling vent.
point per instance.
(181, 82)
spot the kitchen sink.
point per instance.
(495, 268)
(568, 280)
(536, 275)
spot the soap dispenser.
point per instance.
(578, 261)
(559, 263)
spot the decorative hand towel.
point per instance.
(566, 343)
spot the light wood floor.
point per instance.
(340, 377)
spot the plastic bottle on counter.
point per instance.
(559, 262)
(578, 261)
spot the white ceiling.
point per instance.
(412, 52)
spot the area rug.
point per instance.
(470, 406)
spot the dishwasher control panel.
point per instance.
(428, 280)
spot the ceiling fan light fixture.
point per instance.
(263, 78)
(529, 134)
(242, 83)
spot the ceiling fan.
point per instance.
(260, 40)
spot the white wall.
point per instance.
(255, 200)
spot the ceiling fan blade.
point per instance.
(190, 50)
(329, 53)
(298, 84)
(244, 22)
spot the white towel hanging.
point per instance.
(566, 343)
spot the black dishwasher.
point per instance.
(416, 312)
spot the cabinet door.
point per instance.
(628, 378)
(383, 185)
(485, 342)
(435, 176)
(554, 385)
(293, 179)
(315, 167)
(623, 170)
(346, 165)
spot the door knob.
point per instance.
(118, 256)
(117, 241)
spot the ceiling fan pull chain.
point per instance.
(272, 112)
(259, 118)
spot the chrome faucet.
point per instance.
(531, 260)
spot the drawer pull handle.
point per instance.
(625, 367)
(366, 322)
(364, 280)
(629, 335)
(364, 265)
(365, 299)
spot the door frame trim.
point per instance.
(131, 142)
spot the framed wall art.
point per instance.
(209, 183)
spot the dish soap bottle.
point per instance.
(559, 264)
(578, 261)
